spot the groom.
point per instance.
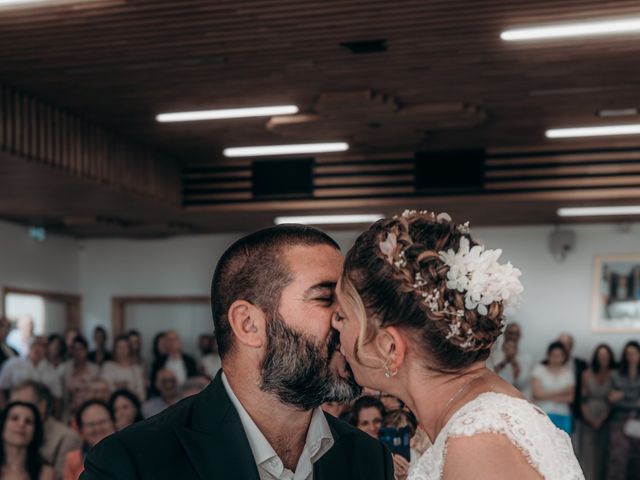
(273, 299)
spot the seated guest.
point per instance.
(182, 365)
(100, 354)
(69, 336)
(597, 383)
(205, 344)
(367, 414)
(34, 367)
(135, 342)
(126, 408)
(167, 387)
(512, 367)
(21, 430)
(577, 367)
(6, 352)
(334, 408)
(58, 438)
(193, 386)
(99, 390)
(506, 363)
(400, 419)
(123, 372)
(20, 338)
(210, 362)
(78, 375)
(56, 351)
(390, 402)
(159, 346)
(625, 402)
(553, 387)
(95, 422)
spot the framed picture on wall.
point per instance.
(616, 293)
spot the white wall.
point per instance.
(175, 266)
(557, 295)
(52, 265)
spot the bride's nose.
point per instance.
(336, 322)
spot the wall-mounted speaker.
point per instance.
(282, 178)
(449, 170)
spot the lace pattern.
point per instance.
(546, 448)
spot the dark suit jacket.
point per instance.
(202, 438)
(189, 363)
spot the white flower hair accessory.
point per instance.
(388, 247)
(476, 272)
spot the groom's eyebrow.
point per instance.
(322, 288)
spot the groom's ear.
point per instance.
(394, 346)
(248, 323)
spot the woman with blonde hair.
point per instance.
(421, 305)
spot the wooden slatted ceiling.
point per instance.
(116, 63)
(36, 131)
(122, 62)
(344, 178)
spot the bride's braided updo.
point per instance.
(395, 275)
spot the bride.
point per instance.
(421, 304)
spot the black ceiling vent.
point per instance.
(282, 178)
(366, 46)
(449, 171)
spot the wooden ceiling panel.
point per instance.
(112, 65)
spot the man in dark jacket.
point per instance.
(272, 304)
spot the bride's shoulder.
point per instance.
(487, 455)
(494, 412)
(497, 432)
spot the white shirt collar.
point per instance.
(319, 441)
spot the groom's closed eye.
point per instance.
(323, 293)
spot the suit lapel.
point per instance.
(338, 462)
(213, 439)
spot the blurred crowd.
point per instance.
(60, 397)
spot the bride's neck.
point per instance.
(434, 397)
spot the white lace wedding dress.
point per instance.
(546, 448)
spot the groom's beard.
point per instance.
(298, 370)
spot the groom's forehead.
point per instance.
(315, 265)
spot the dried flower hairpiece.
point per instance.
(474, 271)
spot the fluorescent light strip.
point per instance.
(599, 211)
(601, 131)
(20, 2)
(330, 219)
(568, 30)
(286, 149)
(227, 113)
(9, 4)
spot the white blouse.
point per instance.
(130, 377)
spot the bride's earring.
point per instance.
(390, 373)
(387, 371)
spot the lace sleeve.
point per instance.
(547, 449)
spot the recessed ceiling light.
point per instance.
(599, 211)
(617, 112)
(220, 114)
(330, 219)
(18, 2)
(600, 131)
(268, 150)
(568, 30)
